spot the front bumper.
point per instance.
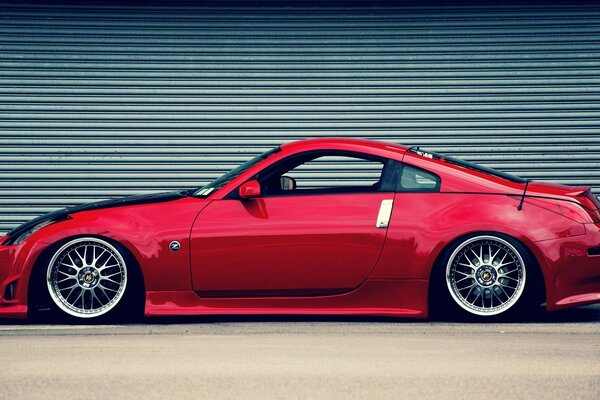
(13, 288)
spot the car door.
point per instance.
(312, 240)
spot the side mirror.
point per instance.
(287, 183)
(250, 190)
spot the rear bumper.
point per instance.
(571, 273)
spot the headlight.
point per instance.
(19, 239)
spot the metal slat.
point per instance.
(99, 100)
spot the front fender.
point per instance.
(144, 230)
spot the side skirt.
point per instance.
(376, 297)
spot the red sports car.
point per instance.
(412, 231)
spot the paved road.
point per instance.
(209, 358)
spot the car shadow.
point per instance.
(576, 315)
(585, 314)
(541, 316)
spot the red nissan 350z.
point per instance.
(409, 232)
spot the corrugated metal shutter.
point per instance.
(99, 101)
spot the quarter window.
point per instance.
(417, 180)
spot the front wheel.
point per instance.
(486, 275)
(87, 277)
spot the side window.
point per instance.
(336, 172)
(417, 180)
(324, 173)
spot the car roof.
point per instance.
(340, 143)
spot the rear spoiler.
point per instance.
(580, 191)
(588, 199)
(589, 202)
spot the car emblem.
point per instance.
(174, 246)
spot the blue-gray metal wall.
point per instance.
(99, 101)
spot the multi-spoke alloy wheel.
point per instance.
(485, 275)
(87, 277)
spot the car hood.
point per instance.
(64, 213)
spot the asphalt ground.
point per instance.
(554, 356)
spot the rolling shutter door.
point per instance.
(99, 101)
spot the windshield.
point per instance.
(468, 165)
(234, 173)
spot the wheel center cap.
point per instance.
(88, 277)
(486, 275)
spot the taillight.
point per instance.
(591, 204)
(568, 209)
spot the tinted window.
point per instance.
(416, 179)
(234, 173)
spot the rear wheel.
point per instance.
(87, 277)
(486, 276)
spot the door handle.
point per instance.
(385, 213)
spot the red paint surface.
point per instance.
(294, 244)
(249, 190)
(403, 298)
(322, 254)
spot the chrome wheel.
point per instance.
(485, 275)
(87, 277)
